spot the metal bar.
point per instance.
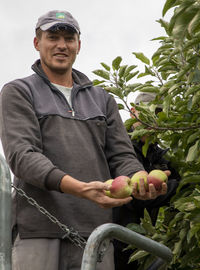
(5, 216)
(123, 234)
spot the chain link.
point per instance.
(70, 233)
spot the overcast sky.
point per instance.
(109, 28)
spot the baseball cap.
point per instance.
(57, 18)
(145, 98)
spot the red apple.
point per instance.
(137, 176)
(121, 187)
(107, 192)
(157, 177)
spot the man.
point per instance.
(62, 139)
(133, 212)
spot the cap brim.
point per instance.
(52, 25)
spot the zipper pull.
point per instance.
(73, 112)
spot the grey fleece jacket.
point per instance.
(44, 139)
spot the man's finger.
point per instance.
(164, 188)
(142, 188)
(167, 172)
(152, 192)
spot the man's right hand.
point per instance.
(93, 191)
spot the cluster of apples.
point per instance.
(122, 186)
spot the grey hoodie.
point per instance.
(44, 139)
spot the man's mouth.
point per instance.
(60, 55)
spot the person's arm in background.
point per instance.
(120, 153)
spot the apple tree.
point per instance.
(173, 74)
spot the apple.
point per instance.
(157, 177)
(107, 192)
(121, 187)
(137, 176)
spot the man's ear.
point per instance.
(36, 43)
(79, 46)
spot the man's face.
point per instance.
(58, 50)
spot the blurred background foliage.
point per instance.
(173, 73)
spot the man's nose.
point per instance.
(62, 43)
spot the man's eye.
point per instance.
(69, 38)
(52, 37)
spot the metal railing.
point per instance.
(99, 237)
(5, 216)
(113, 231)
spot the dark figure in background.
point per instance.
(134, 211)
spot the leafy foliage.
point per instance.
(174, 72)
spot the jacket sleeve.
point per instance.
(120, 154)
(22, 140)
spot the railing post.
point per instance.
(5, 216)
(114, 231)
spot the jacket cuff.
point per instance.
(53, 179)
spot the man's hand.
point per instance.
(93, 191)
(152, 193)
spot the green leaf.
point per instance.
(133, 86)
(147, 223)
(158, 38)
(129, 69)
(184, 204)
(168, 4)
(179, 11)
(149, 70)
(193, 152)
(191, 90)
(194, 23)
(164, 24)
(116, 63)
(193, 137)
(138, 133)
(128, 123)
(131, 75)
(105, 66)
(192, 179)
(102, 73)
(142, 75)
(120, 106)
(97, 82)
(114, 90)
(145, 147)
(122, 70)
(140, 254)
(182, 21)
(136, 228)
(142, 57)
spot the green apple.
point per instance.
(121, 187)
(157, 177)
(137, 176)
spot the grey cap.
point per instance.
(145, 98)
(56, 18)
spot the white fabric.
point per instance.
(66, 92)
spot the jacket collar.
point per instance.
(78, 77)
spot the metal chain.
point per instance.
(70, 233)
